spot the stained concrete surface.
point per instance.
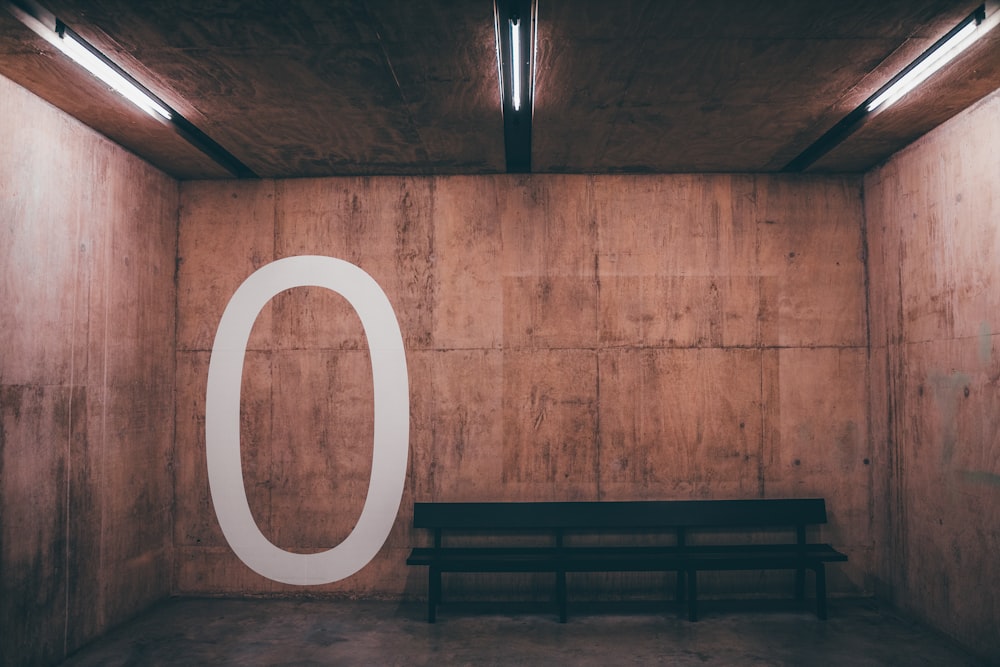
(191, 631)
(88, 247)
(568, 337)
(935, 375)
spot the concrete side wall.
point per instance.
(933, 215)
(87, 262)
(567, 337)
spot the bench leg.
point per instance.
(821, 591)
(692, 581)
(800, 584)
(561, 595)
(433, 592)
(680, 585)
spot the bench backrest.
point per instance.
(654, 514)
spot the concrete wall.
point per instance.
(568, 337)
(87, 248)
(934, 227)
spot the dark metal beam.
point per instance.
(517, 121)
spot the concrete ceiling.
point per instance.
(344, 87)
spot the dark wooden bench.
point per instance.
(682, 536)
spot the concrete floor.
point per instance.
(339, 632)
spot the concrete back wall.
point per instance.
(87, 248)
(568, 337)
(934, 225)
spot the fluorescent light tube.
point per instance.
(81, 55)
(515, 65)
(928, 66)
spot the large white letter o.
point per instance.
(392, 420)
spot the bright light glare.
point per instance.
(83, 57)
(515, 65)
(958, 43)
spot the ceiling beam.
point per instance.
(516, 38)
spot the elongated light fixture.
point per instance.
(516, 24)
(58, 34)
(50, 28)
(87, 57)
(515, 61)
(939, 55)
(958, 39)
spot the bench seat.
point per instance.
(587, 521)
(549, 559)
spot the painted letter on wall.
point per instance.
(392, 420)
